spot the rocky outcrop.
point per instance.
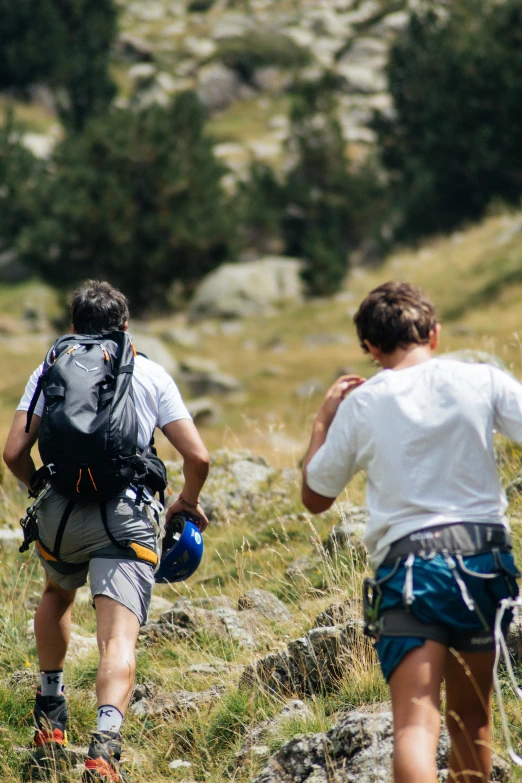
(248, 289)
(356, 750)
(312, 664)
(237, 480)
(186, 620)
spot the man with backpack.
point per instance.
(93, 405)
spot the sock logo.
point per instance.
(55, 679)
(108, 713)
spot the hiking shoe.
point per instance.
(103, 759)
(50, 717)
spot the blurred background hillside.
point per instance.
(245, 170)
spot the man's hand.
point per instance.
(197, 514)
(336, 394)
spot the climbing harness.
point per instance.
(29, 523)
(124, 550)
(453, 542)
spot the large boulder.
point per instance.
(246, 289)
(238, 481)
(359, 749)
(155, 350)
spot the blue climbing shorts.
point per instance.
(439, 600)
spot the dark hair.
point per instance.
(395, 315)
(97, 307)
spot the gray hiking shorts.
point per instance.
(129, 582)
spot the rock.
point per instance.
(156, 351)
(357, 750)
(265, 603)
(272, 79)
(200, 48)
(22, 679)
(142, 74)
(335, 614)
(347, 535)
(146, 11)
(232, 25)
(250, 475)
(40, 144)
(214, 602)
(312, 664)
(251, 747)
(7, 534)
(325, 338)
(12, 270)
(180, 764)
(186, 338)
(360, 77)
(246, 289)
(158, 605)
(471, 356)
(236, 482)
(300, 36)
(10, 327)
(186, 620)
(133, 48)
(144, 690)
(176, 704)
(218, 86)
(203, 383)
(203, 410)
(304, 572)
(166, 82)
(309, 389)
(197, 364)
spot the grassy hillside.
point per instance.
(476, 280)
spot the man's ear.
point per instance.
(435, 337)
(125, 326)
(374, 352)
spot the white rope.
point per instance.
(501, 648)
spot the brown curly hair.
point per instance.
(395, 315)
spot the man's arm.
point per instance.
(312, 500)
(17, 451)
(185, 438)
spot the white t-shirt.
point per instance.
(424, 437)
(156, 397)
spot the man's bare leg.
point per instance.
(52, 625)
(117, 632)
(415, 693)
(469, 682)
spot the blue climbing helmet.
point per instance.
(182, 550)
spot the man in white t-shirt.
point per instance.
(422, 430)
(121, 588)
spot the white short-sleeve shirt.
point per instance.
(424, 437)
(156, 397)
